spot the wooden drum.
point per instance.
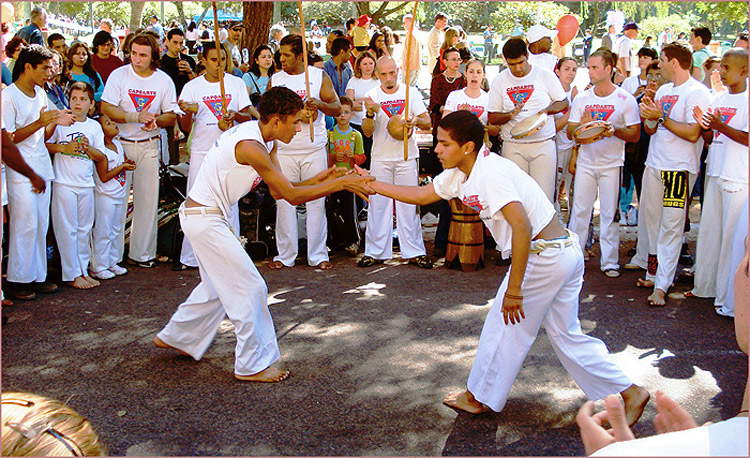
(465, 238)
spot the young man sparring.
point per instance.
(230, 284)
(302, 159)
(544, 280)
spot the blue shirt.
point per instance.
(7, 76)
(85, 78)
(251, 81)
(32, 34)
(339, 85)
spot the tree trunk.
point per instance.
(257, 19)
(180, 13)
(136, 13)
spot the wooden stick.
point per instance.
(304, 57)
(221, 70)
(409, 34)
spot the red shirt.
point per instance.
(105, 66)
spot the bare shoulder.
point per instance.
(251, 152)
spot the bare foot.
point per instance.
(325, 265)
(635, 399)
(465, 401)
(276, 265)
(161, 344)
(657, 298)
(80, 283)
(643, 283)
(92, 281)
(267, 375)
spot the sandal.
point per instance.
(422, 262)
(368, 261)
(681, 295)
(276, 265)
(643, 283)
(325, 265)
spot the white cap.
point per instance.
(536, 32)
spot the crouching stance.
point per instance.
(230, 284)
(544, 280)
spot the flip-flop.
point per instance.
(642, 283)
(681, 295)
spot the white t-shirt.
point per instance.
(623, 47)
(208, 97)
(133, 93)
(724, 438)
(618, 108)
(222, 181)
(493, 183)
(538, 89)
(727, 159)
(192, 35)
(632, 83)
(562, 142)
(667, 151)
(77, 169)
(20, 110)
(385, 147)
(544, 60)
(300, 143)
(115, 187)
(460, 100)
(360, 88)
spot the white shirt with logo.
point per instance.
(360, 88)
(76, 169)
(300, 143)
(208, 97)
(132, 93)
(727, 159)
(621, 110)
(460, 100)
(562, 142)
(385, 147)
(667, 151)
(114, 188)
(493, 183)
(20, 110)
(538, 89)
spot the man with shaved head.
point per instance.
(384, 103)
(725, 128)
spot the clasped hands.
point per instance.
(708, 120)
(356, 181)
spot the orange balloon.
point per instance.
(567, 27)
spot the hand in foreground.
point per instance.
(38, 185)
(671, 417)
(591, 424)
(226, 121)
(712, 120)
(371, 106)
(517, 109)
(66, 118)
(610, 130)
(513, 310)
(359, 185)
(586, 117)
(128, 165)
(698, 114)
(187, 107)
(361, 172)
(149, 126)
(649, 109)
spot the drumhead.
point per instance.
(528, 125)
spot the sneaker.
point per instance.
(144, 264)
(612, 273)
(117, 270)
(105, 274)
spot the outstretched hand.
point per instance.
(671, 417)
(359, 185)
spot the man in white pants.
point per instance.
(200, 100)
(725, 128)
(388, 165)
(520, 91)
(230, 284)
(671, 167)
(302, 159)
(598, 164)
(25, 117)
(544, 280)
(141, 99)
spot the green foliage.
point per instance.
(118, 12)
(509, 14)
(653, 26)
(724, 19)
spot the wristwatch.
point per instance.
(370, 115)
(660, 120)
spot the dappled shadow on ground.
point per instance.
(372, 352)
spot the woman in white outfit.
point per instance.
(230, 284)
(544, 280)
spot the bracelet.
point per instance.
(511, 296)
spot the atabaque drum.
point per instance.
(465, 238)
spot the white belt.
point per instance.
(200, 210)
(539, 245)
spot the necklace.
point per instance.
(449, 79)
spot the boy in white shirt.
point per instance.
(75, 147)
(543, 283)
(520, 91)
(598, 164)
(671, 168)
(110, 201)
(25, 116)
(725, 128)
(201, 101)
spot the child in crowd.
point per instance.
(110, 200)
(345, 149)
(75, 147)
